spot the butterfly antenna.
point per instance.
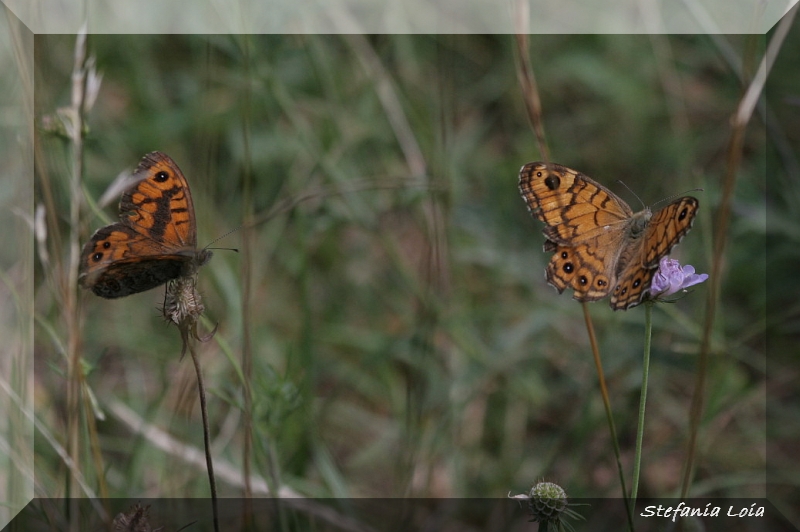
(668, 198)
(223, 236)
(635, 195)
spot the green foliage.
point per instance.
(404, 339)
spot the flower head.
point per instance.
(549, 506)
(671, 277)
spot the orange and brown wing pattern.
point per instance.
(664, 230)
(667, 227)
(154, 240)
(118, 262)
(632, 287)
(574, 207)
(582, 268)
(159, 205)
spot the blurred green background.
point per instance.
(405, 341)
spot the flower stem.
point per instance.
(607, 404)
(201, 389)
(648, 333)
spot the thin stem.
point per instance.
(637, 461)
(206, 438)
(530, 91)
(71, 299)
(735, 148)
(247, 280)
(607, 404)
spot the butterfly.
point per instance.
(155, 239)
(601, 247)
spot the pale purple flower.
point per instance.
(671, 277)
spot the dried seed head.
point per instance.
(183, 306)
(134, 520)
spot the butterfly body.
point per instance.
(601, 247)
(155, 240)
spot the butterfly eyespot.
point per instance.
(601, 283)
(162, 176)
(564, 255)
(683, 213)
(624, 291)
(583, 280)
(552, 182)
(568, 268)
(106, 244)
(637, 282)
(97, 256)
(539, 173)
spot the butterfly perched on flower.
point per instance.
(601, 247)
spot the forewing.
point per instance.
(159, 204)
(574, 207)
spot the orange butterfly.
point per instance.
(155, 240)
(601, 246)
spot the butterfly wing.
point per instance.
(159, 205)
(664, 230)
(585, 227)
(581, 269)
(117, 262)
(574, 207)
(667, 227)
(155, 237)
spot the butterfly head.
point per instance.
(203, 256)
(196, 258)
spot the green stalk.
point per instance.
(648, 333)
